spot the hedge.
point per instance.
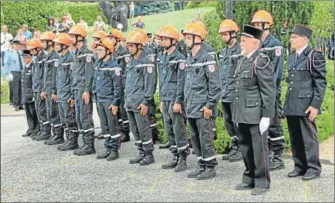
(35, 13)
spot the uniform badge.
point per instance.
(152, 59)
(127, 59)
(88, 58)
(117, 72)
(149, 69)
(182, 66)
(211, 68)
(278, 52)
(56, 63)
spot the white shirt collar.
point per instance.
(301, 50)
(251, 54)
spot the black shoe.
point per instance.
(182, 165)
(196, 172)
(125, 137)
(104, 155)
(310, 176)
(148, 159)
(113, 156)
(165, 146)
(86, 150)
(259, 191)
(68, 145)
(208, 173)
(276, 163)
(243, 186)
(137, 159)
(236, 155)
(225, 157)
(54, 140)
(21, 107)
(17, 108)
(43, 136)
(294, 174)
(26, 135)
(172, 164)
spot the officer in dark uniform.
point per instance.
(228, 30)
(62, 94)
(28, 95)
(97, 36)
(139, 91)
(35, 47)
(121, 56)
(306, 87)
(171, 89)
(108, 87)
(83, 73)
(50, 66)
(181, 46)
(273, 48)
(202, 92)
(252, 110)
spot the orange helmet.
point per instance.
(48, 36)
(262, 16)
(228, 25)
(107, 43)
(201, 24)
(170, 32)
(159, 31)
(142, 32)
(116, 33)
(135, 38)
(195, 29)
(33, 44)
(63, 38)
(99, 34)
(78, 30)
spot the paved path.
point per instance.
(34, 172)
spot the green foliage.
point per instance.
(35, 13)
(200, 4)
(322, 21)
(4, 91)
(157, 7)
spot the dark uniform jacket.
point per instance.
(63, 78)
(306, 82)
(227, 72)
(27, 83)
(140, 82)
(38, 71)
(108, 82)
(202, 84)
(254, 89)
(83, 70)
(273, 48)
(172, 76)
(50, 65)
(122, 57)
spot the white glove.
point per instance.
(264, 125)
(9, 77)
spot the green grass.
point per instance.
(179, 19)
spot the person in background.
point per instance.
(20, 36)
(70, 21)
(99, 24)
(83, 23)
(26, 32)
(37, 33)
(51, 26)
(5, 38)
(56, 24)
(139, 23)
(132, 10)
(64, 26)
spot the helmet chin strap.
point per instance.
(171, 45)
(193, 43)
(76, 36)
(137, 49)
(263, 27)
(231, 37)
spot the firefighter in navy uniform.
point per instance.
(306, 87)
(171, 90)
(97, 36)
(139, 91)
(28, 95)
(62, 94)
(108, 87)
(82, 82)
(228, 30)
(273, 48)
(252, 109)
(202, 93)
(121, 56)
(35, 47)
(50, 67)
